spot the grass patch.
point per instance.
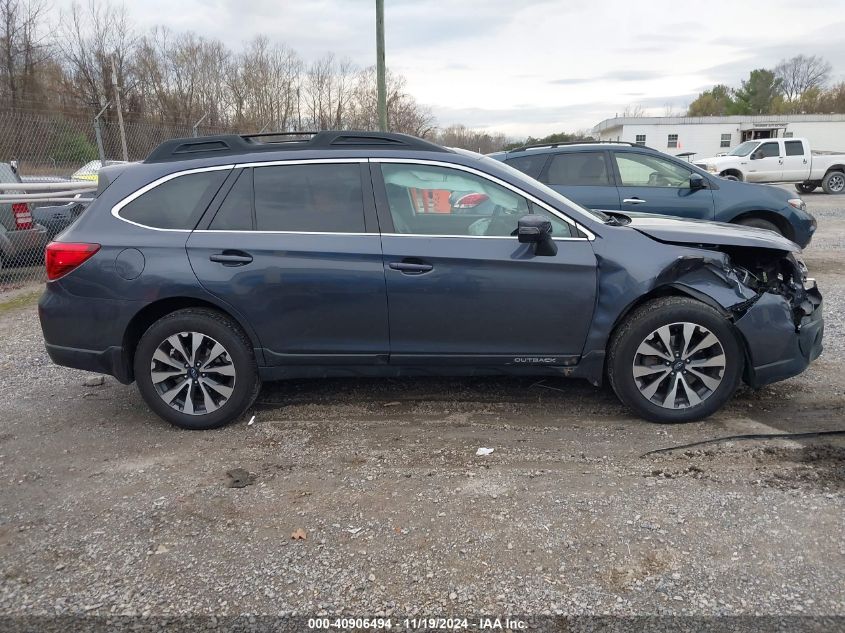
(19, 301)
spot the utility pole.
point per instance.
(380, 67)
(119, 110)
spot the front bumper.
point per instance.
(777, 347)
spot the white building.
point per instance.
(711, 135)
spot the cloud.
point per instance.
(534, 66)
(616, 75)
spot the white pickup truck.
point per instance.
(781, 160)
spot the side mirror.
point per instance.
(537, 230)
(696, 181)
(756, 155)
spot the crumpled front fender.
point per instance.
(711, 280)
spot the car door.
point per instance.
(796, 161)
(294, 248)
(584, 177)
(462, 289)
(765, 163)
(650, 183)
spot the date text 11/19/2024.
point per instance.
(420, 624)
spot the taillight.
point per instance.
(23, 217)
(63, 257)
(471, 200)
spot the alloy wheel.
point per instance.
(679, 365)
(836, 183)
(193, 373)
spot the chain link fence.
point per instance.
(53, 148)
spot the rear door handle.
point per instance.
(411, 268)
(633, 201)
(231, 258)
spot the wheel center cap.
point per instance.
(193, 373)
(678, 365)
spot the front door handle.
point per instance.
(411, 268)
(231, 258)
(633, 201)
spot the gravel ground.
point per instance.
(106, 510)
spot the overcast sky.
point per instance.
(532, 66)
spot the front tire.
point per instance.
(834, 182)
(195, 368)
(805, 187)
(675, 359)
(759, 223)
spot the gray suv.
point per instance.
(223, 261)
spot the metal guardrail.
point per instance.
(25, 231)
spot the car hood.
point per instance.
(675, 231)
(719, 160)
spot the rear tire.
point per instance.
(834, 182)
(732, 177)
(760, 223)
(685, 382)
(804, 187)
(195, 368)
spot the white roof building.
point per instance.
(711, 135)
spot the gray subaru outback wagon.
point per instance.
(223, 261)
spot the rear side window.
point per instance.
(235, 214)
(322, 198)
(794, 148)
(176, 203)
(531, 165)
(579, 168)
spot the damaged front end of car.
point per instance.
(766, 294)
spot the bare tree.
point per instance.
(23, 50)
(633, 110)
(179, 79)
(799, 74)
(404, 114)
(467, 138)
(87, 41)
(264, 83)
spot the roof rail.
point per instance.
(233, 144)
(538, 145)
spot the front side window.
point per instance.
(767, 150)
(177, 203)
(318, 198)
(794, 148)
(672, 141)
(579, 169)
(429, 200)
(642, 170)
(726, 140)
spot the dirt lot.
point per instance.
(104, 509)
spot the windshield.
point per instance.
(566, 202)
(743, 149)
